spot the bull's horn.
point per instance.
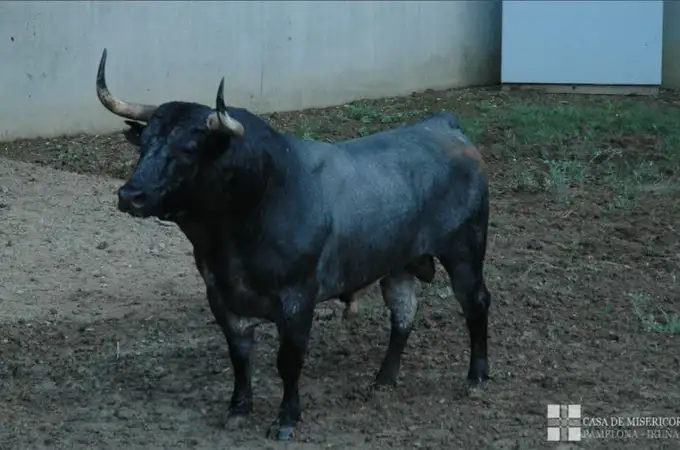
(220, 120)
(132, 111)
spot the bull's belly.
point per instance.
(357, 264)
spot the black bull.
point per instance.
(280, 224)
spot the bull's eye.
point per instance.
(190, 148)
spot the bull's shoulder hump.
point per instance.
(316, 154)
(313, 147)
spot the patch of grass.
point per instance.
(371, 117)
(307, 131)
(660, 323)
(363, 112)
(631, 145)
(524, 177)
(562, 176)
(633, 180)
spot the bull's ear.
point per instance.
(134, 133)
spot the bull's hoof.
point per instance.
(478, 380)
(279, 432)
(385, 381)
(235, 421)
(383, 386)
(476, 386)
(286, 433)
(381, 391)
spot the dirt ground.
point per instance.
(106, 338)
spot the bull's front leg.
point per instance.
(240, 334)
(294, 328)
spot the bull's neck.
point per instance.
(238, 183)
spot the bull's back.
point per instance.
(440, 125)
(426, 159)
(393, 195)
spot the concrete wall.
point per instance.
(275, 55)
(670, 72)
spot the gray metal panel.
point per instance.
(582, 42)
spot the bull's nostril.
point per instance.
(131, 198)
(138, 199)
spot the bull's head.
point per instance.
(177, 139)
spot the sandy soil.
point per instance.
(106, 338)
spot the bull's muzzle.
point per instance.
(133, 201)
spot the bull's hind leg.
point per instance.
(399, 294)
(465, 269)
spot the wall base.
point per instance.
(597, 89)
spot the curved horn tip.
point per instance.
(102, 65)
(220, 96)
